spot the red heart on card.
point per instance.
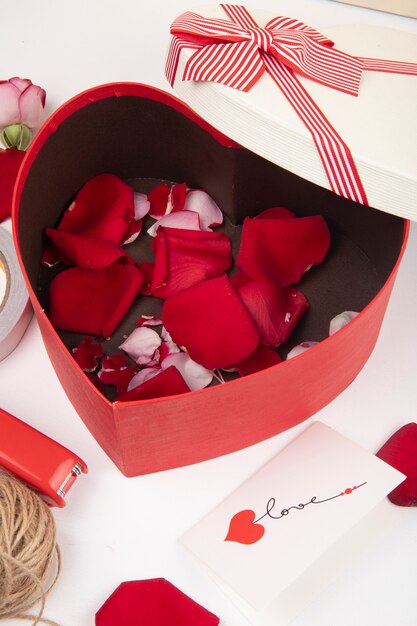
(242, 528)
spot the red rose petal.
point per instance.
(119, 378)
(114, 362)
(186, 257)
(168, 383)
(275, 213)
(146, 269)
(213, 324)
(10, 161)
(96, 381)
(400, 451)
(132, 232)
(178, 195)
(116, 371)
(87, 353)
(93, 301)
(260, 359)
(50, 257)
(275, 310)
(154, 602)
(102, 208)
(87, 252)
(158, 199)
(279, 251)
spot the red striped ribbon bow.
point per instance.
(236, 53)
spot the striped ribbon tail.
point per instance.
(174, 53)
(391, 67)
(334, 153)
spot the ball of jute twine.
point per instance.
(29, 554)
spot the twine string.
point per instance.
(28, 551)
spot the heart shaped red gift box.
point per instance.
(144, 136)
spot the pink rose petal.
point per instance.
(196, 376)
(302, 347)
(87, 354)
(20, 83)
(9, 104)
(31, 104)
(141, 205)
(188, 220)
(141, 345)
(142, 376)
(341, 320)
(200, 202)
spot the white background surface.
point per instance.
(115, 528)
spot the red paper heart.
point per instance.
(243, 530)
(400, 451)
(154, 602)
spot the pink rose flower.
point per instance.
(21, 102)
(21, 109)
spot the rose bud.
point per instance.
(21, 110)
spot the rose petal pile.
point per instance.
(210, 321)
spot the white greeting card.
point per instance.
(279, 522)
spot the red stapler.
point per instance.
(44, 464)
